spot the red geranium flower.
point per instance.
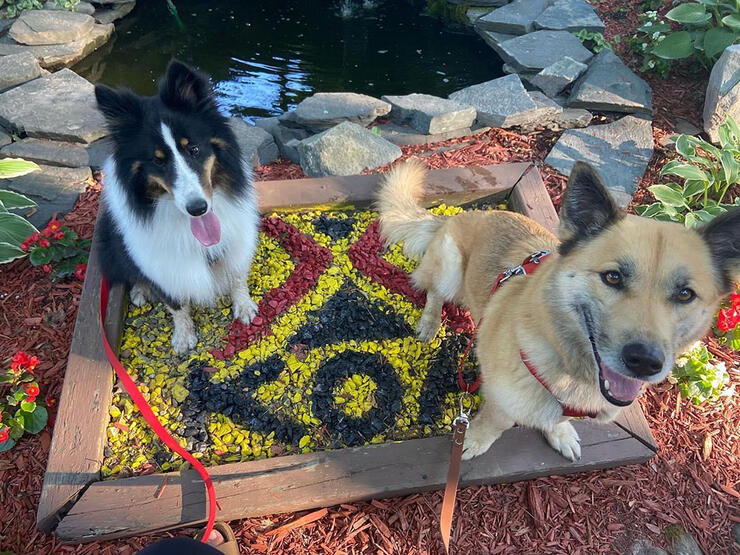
(45, 243)
(35, 236)
(46, 268)
(25, 245)
(23, 361)
(54, 225)
(46, 232)
(4, 435)
(80, 271)
(735, 300)
(59, 235)
(728, 319)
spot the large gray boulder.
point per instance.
(620, 151)
(17, 69)
(256, 144)
(723, 92)
(40, 27)
(494, 39)
(324, 110)
(504, 102)
(535, 51)
(59, 106)
(345, 149)
(55, 56)
(5, 139)
(570, 15)
(516, 18)
(286, 138)
(609, 85)
(556, 77)
(430, 114)
(402, 135)
(51, 153)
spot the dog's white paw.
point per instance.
(477, 441)
(243, 308)
(427, 328)
(137, 296)
(564, 439)
(184, 338)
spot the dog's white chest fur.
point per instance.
(168, 254)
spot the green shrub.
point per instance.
(595, 41)
(13, 8)
(20, 411)
(698, 379)
(445, 11)
(14, 228)
(647, 37)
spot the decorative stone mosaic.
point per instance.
(330, 361)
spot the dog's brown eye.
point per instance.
(193, 150)
(612, 278)
(685, 295)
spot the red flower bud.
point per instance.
(46, 268)
(4, 435)
(80, 271)
(46, 232)
(45, 243)
(59, 235)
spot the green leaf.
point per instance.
(655, 28)
(716, 40)
(9, 252)
(675, 46)
(694, 14)
(648, 210)
(703, 215)
(28, 407)
(36, 420)
(7, 445)
(15, 201)
(687, 171)
(732, 21)
(667, 196)
(14, 229)
(40, 256)
(691, 220)
(15, 167)
(729, 166)
(693, 187)
(684, 146)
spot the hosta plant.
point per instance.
(707, 171)
(14, 228)
(20, 410)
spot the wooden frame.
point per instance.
(82, 508)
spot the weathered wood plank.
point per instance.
(79, 432)
(129, 506)
(530, 198)
(633, 420)
(455, 186)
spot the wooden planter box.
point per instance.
(82, 508)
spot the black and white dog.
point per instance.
(180, 216)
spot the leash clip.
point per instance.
(464, 417)
(535, 257)
(511, 272)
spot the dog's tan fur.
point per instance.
(545, 314)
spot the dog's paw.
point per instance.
(184, 339)
(564, 439)
(137, 296)
(427, 329)
(244, 308)
(477, 443)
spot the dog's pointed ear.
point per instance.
(586, 209)
(722, 235)
(184, 88)
(119, 106)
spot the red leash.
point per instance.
(150, 417)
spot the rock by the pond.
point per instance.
(473, 14)
(609, 85)
(5, 139)
(516, 18)
(549, 109)
(680, 542)
(538, 50)
(53, 188)
(286, 138)
(556, 77)
(81, 7)
(17, 69)
(98, 151)
(494, 39)
(256, 144)
(503, 102)
(723, 92)
(430, 114)
(42, 27)
(570, 15)
(402, 135)
(345, 149)
(59, 106)
(114, 12)
(51, 153)
(324, 110)
(620, 151)
(644, 547)
(55, 56)
(5, 25)
(736, 532)
(571, 118)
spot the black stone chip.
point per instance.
(336, 228)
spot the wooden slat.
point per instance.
(130, 506)
(79, 431)
(530, 198)
(633, 420)
(455, 186)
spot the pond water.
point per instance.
(265, 57)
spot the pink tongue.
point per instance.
(621, 387)
(206, 228)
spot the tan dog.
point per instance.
(608, 311)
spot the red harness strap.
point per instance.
(528, 266)
(150, 417)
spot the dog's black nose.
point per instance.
(644, 359)
(197, 207)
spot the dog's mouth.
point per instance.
(206, 229)
(618, 389)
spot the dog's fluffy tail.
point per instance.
(402, 218)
